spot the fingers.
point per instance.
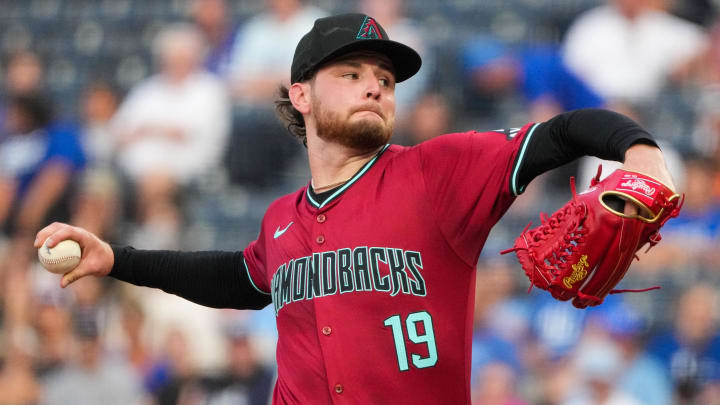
(44, 233)
(57, 232)
(631, 209)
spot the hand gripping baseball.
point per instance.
(97, 256)
(583, 250)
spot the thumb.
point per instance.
(72, 276)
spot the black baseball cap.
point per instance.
(337, 35)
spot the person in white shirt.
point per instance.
(264, 48)
(627, 49)
(171, 128)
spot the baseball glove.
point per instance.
(582, 251)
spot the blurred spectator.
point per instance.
(176, 379)
(245, 380)
(264, 49)
(536, 71)
(260, 150)
(53, 326)
(212, 18)
(18, 382)
(91, 377)
(627, 49)
(171, 129)
(496, 385)
(556, 327)
(490, 346)
(703, 75)
(555, 330)
(690, 351)
(641, 375)
(407, 31)
(431, 116)
(96, 205)
(598, 367)
(24, 74)
(18, 385)
(37, 164)
(90, 303)
(135, 343)
(23, 77)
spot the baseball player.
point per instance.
(370, 267)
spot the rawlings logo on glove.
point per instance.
(639, 184)
(583, 250)
(579, 272)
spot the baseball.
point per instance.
(60, 259)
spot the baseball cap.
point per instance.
(337, 35)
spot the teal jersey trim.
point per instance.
(251, 280)
(349, 183)
(513, 180)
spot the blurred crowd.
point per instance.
(176, 146)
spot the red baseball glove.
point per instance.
(584, 249)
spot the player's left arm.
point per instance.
(595, 132)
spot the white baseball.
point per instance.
(60, 259)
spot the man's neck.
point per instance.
(332, 164)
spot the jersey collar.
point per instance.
(340, 190)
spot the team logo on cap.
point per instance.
(369, 29)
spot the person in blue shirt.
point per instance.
(37, 162)
(690, 350)
(212, 18)
(535, 71)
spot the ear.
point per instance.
(299, 94)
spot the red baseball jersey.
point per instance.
(373, 288)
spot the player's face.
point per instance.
(353, 101)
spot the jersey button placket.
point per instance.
(320, 239)
(326, 330)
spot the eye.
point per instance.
(386, 82)
(353, 76)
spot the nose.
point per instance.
(372, 87)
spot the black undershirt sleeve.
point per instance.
(568, 136)
(213, 279)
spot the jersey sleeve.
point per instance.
(471, 179)
(255, 263)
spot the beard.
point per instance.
(362, 135)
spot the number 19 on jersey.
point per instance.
(427, 337)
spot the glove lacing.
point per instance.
(555, 265)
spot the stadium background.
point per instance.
(103, 342)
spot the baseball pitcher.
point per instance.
(370, 267)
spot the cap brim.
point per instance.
(405, 60)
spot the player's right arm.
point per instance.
(213, 278)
